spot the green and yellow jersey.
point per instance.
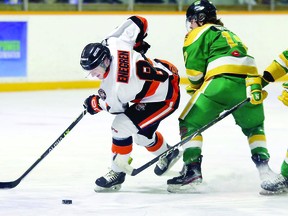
(278, 68)
(212, 50)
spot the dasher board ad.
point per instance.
(13, 49)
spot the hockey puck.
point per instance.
(66, 201)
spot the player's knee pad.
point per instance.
(122, 145)
(195, 142)
(155, 145)
(253, 130)
(142, 140)
(123, 127)
(186, 129)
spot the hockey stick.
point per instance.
(136, 171)
(147, 60)
(12, 184)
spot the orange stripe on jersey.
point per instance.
(173, 82)
(152, 89)
(121, 149)
(176, 90)
(150, 61)
(169, 65)
(154, 84)
(156, 116)
(158, 144)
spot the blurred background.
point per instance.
(135, 5)
(41, 40)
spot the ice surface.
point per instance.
(31, 121)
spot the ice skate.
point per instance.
(276, 185)
(264, 170)
(191, 177)
(165, 163)
(111, 182)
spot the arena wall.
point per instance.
(55, 41)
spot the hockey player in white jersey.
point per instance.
(141, 96)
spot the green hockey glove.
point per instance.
(254, 89)
(284, 96)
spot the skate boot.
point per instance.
(276, 185)
(110, 182)
(190, 177)
(167, 162)
(263, 168)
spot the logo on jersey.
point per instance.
(102, 94)
(236, 53)
(123, 70)
(140, 107)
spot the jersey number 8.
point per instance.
(145, 72)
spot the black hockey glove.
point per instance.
(91, 104)
(142, 47)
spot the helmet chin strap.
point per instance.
(202, 17)
(106, 68)
(87, 75)
(103, 64)
(196, 20)
(198, 23)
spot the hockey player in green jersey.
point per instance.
(277, 69)
(220, 73)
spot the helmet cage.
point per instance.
(201, 17)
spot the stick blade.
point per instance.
(9, 185)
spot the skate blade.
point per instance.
(273, 193)
(114, 188)
(195, 187)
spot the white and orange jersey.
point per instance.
(131, 79)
